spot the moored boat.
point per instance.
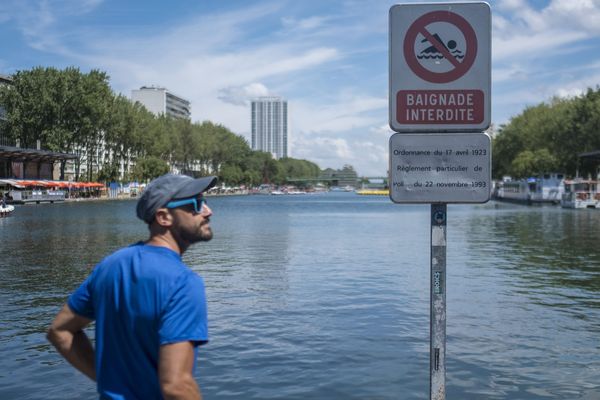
(546, 188)
(5, 210)
(581, 193)
(373, 192)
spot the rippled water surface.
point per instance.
(327, 297)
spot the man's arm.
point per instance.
(175, 365)
(67, 335)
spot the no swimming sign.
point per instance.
(440, 67)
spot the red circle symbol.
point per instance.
(420, 27)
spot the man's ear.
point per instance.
(163, 217)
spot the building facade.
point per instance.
(270, 126)
(159, 101)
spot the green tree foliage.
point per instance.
(149, 168)
(65, 110)
(549, 137)
(73, 112)
(294, 168)
(527, 161)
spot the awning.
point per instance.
(31, 183)
(11, 182)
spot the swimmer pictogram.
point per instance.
(436, 48)
(432, 51)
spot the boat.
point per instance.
(546, 188)
(373, 192)
(581, 193)
(513, 191)
(22, 191)
(5, 210)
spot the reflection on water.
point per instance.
(327, 297)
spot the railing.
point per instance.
(4, 141)
(31, 196)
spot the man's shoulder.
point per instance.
(155, 260)
(142, 250)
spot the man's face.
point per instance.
(191, 226)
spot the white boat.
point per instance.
(546, 188)
(6, 210)
(581, 193)
(22, 191)
(515, 191)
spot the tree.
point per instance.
(267, 168)
(149, 168)
(549, 137)
(294, 168)
(65, 110)
(528, 163)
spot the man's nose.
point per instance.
(206, 211)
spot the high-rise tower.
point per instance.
(270, 126)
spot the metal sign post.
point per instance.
(437, 339)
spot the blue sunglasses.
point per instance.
(198, 203)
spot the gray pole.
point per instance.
(437, 349)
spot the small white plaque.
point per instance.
(440, 168)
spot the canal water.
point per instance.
(327, 297)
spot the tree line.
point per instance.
(73, 112)
(549, 137)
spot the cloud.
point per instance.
(305, 23)
(534, 43)
(382, 130)
(345, 112)
(368, 158)
(519, 29)
(40, 20)
(567, 92)
(241, 95)
(325, 149)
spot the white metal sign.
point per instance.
(440, 168)
(440, 67)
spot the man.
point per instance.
(149, 307)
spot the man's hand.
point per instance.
(175, 364)
(67, 335)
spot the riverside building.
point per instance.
(270, 126)
(159, 100)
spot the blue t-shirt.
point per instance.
(141, 297)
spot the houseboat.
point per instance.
(24, 191)
(20, 191)
(513, 191)
(546, 188)
(581, 193)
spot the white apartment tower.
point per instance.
(270, 126)
(159, 101)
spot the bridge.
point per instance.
(375, 181)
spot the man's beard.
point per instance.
(202, 234)
(206, 234)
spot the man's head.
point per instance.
(176, 203)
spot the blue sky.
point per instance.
(329, 59)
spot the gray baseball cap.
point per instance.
(170, 187)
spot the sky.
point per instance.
(328, 59)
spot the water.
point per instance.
(327, 297)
